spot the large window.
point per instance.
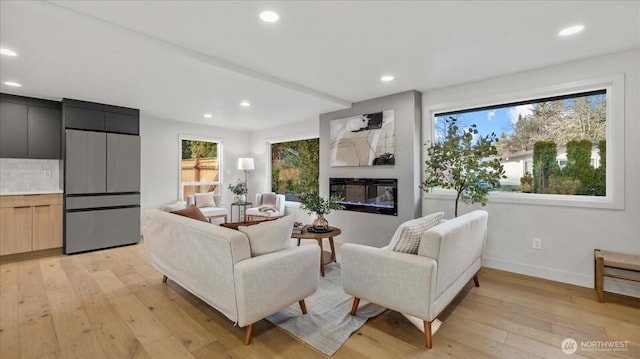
(553, 145)
(200, 165)
(295, 167)
(566, 149)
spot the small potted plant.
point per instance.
(313, 203)
(240, 190)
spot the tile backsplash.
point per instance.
(20, 175)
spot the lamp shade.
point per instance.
(246, 164)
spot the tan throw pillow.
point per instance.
(205, 200)
(408, 235)
(269, 236)
(191, 212)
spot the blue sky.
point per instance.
(500, 120)
(496, 120)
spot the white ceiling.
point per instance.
(180, 59)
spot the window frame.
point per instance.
(614, 86)
(220, 182)
(280, 139)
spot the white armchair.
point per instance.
(422, 284)
(267, 205)
(207, 203)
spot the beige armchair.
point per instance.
(423, 284)
(207, 203)
(267, 205)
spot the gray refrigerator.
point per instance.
(102, 190)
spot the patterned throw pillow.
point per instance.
(204, 199)
(408, 235)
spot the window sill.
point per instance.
(539, 199)
(289, 204)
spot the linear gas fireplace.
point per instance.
(372, 195)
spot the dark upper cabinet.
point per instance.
(122, 123)
(44, 132)
(29, 128)
(83, 119)
(82, 115)
(14, 130)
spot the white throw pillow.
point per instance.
(204, 200)
(269, 236)
(408, 235)
(174, 206)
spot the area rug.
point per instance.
(328, 324)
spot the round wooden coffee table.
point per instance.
(326, 257)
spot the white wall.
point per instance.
(160, 158)
(569, 234)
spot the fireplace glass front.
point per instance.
(372, 195)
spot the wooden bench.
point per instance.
(605, 260)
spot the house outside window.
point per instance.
(200, 164)
(295, 167)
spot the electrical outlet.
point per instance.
(537, 243)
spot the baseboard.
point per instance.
(30, 255)
(612, 285)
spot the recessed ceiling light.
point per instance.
(571, 30)
(245, 104)
(7, 52)
(269, 16)
(11, 83)
(386, 78)
(208, 115)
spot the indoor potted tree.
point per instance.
(240, 190)
(313, 203)
(462, 162)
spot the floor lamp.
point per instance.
(246, 164)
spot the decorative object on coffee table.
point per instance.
(313, 203)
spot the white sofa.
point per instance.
(423, 284)
(215, 264)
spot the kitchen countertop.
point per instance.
(22, 193)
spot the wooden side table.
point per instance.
(326, 257)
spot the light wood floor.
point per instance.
(112, 304)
